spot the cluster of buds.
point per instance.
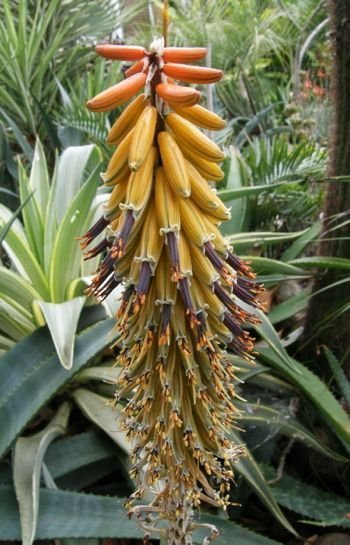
(181, 308)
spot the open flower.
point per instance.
(181, 307)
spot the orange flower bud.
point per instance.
(121, 52)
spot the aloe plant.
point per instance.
(44, 283)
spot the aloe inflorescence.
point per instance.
(181, 308)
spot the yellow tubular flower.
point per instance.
(189, 136)
(181, 307)
(127, 120)
(142, 137)
(174, 164)
(166, 204)
(118, 167)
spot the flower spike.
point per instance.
(185, 292)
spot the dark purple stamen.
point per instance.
(165, 316)
(119, 244)
(98, 249)
(106, 289)
(143, 285)
(232, 325)
(238, 265)
(223, 295)
(174, 256)
(245, 294)
(215, 260)
(187, 301)
(94, 231)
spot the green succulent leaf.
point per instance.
(100, 411)
(309, 501)
(262, 415)
(232, 194)
(106, 374)
(338, 373)
(66, 258)
(250, 470)
(77, 515)
(340, 263)
(302, 242)
(17, 246)
(71, 453)
(265, 265)
(28, 456)
(17, 288)
(39, 178)
(235, 182)
(30, 373)
(311, 385)
(62, 320)
(4, 229)
(291, 307)
(32, 217)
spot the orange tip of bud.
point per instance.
(134, 69)
(121, 52)
(184, 54)
(117, 94)
(192, 74)
(177, 94)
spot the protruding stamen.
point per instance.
(174, 257)
(98, 249)
(239, 265)
(164, 338)
(247, 291)
(187, 301)
(93, 232)
(142, 286)
(217, 263)
(119, 244)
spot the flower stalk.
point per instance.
(183, 287)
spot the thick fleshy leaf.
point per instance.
(236, 180)
(302, 242)
(232, 194)
(270, 336)
(99, 410)
(103, 373)
(71, 453)
(70, 177)
(30, 373)
(291, 307)
(263, 265)
(338, 373)
(5, 227)
(65, 185)
(28, 456)
(66, 256)
(250, 470)
(323, 262)
(72, 514)
(16, 316)
(311, 385)
(285, 424)
(242, 241)
(309, 501)
(17, 288)
(315, 390)
(39, 178)
(62, 320)
(17, 247)
(32, 217)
